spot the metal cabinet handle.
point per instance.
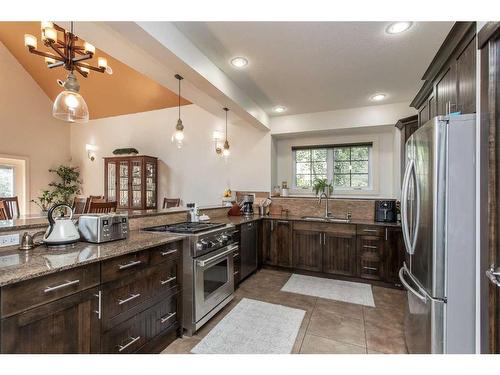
(99, 305)
(166, 318)
(132, 297)
(282, 222)
(370, 268)
(132, 340)
(236, 272)
(386, 233)
(370, 230)
(163, 282)
(370, 247)
(60, 286)
(492, 275)
(165, 253)
(128, 265)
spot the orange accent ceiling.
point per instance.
(125, 91)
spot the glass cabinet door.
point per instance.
(136, 184)
(123, 173)
(111, 193)
(150, 184)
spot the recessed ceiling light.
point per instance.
(398, 27)
(239, 62)
(279, 109)
(378, 97)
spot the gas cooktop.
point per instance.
(186, 227)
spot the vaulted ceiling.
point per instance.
(125, 91)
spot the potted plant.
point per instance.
(321, 185)
(45, 201)
(69, 184)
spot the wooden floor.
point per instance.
(329, 326)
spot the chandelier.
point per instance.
(69, 54)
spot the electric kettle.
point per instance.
(61, 230)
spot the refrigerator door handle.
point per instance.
(421, 297)
(417, 214)
(404, 208)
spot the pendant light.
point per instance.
(178, 136)
(69, 104)
(225, 149)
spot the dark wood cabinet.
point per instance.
(371, 260)
(120, 305)
(307, 249)
(131, 181)
(339, 255)
(407, 126)
(450, 80)
(68, 325)
(278, 252)
(394, 254)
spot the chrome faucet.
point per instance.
(327, 211)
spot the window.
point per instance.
(348, 167)
(351, 167)
(6, 181)
(309, 165)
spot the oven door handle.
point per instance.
(203, 263)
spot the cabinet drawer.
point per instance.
(371, 247)
(41, 290)
(370, 230)
(130, 335)
(124, 266)
(371, 268)
(166, 252)
(122, 296)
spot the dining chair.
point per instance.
(80, 205)
(171, 202)
(102, 207)
(11, 204)
(3, 211)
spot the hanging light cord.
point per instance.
(179, 98)
(226, 125)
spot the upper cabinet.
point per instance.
(450, 80)
(132, 181)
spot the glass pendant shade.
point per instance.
(70, 106)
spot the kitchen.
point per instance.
(182, 197)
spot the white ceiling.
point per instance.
(320, 66)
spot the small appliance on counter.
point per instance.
(385, 211)
(284, 189)
(247, 205)
(99, 228)
(192, 215)
(62, 230)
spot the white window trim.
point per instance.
(372, 190)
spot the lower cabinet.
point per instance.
(68, 325)
(278, 250)
(307, 250)
(339, 254)
(121, 305)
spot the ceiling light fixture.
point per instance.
(378, 97)
(398, 27)
(225, 151)
(178, 136)
(279, 109)
(69, 104)
(239, 62)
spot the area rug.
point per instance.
(253, 327)
(338, 290)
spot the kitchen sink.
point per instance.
(325, 219)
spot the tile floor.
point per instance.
(328, 326)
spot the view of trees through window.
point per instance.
(348, 167)
(6, 181)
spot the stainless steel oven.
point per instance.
(213, 280)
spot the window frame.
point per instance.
(370, 168)
(372, 172)
(13, 169)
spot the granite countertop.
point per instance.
(237, 220)
(16, 265)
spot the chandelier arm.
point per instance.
(81, 58)
(51, 45)
(77, 68)
(57, 27)
(55, 65)
(101, 70)
(46, 54)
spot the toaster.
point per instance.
(99, 228)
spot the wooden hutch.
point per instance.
(132, 181)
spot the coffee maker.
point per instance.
(385, 211)
(247, 205)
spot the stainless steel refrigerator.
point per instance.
(438, 222)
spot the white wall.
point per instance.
(375, 115)
(27, 129)
(385, 156)
(194, 173)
